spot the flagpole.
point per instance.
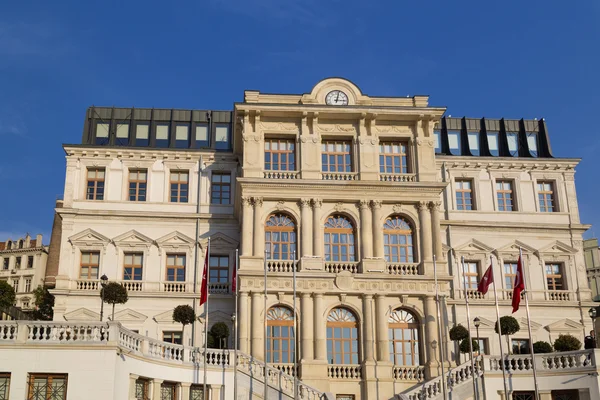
(207, 261)
(475, 392)
(235, 326)
(537, 392)
(439, 320)
(503, 366)
(266, 388)
(295, 327)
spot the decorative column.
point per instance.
(242, 320)
(184, 390)
(306, 226)
(257, 326)
(431, 334)
(306, 324)
(156, 384)
(247, 222)
(383, 354)
(319, 329)
(132, 379)
(425, 220)
(259, 228)
(434, 206)
(368, 327)
(317, 237)
(366, 228)
(377, 229)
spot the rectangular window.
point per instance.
(182, 136)
(16, 285)
(335, 156)
(30, 262)
(90, 265)
(95, 184)
(168, 391)
(471, 277)
(504, 194)
(220, 188)
(521, 395)
(47, 387)
(132, 266)
(5, 263)
(138, 184)
(473, 143)
(483, 346)
(27, 285)
(546, 196)
(219, 269)
(142, 389)
(18, 262)
(393, 158)
(174, 337)
(176, 267)
(122, 134)
(102, 133)
(437, 141)
(513, 143)
(179, 186)
(4, 385)
(222, 139)
(344, 397)
(142, 134)
(280, 155)
(554, 277)
(520, 346)
(196, 392)
(492, 138)
(532, 143)
(454, 142)
(464, 195)
(162, 135)
(202, 135)
(510, 272)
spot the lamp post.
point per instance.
(104, 279)
(477, 322)
(593, 312)
(235, 346)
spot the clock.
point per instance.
(336, 98)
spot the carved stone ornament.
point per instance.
(370, 141)
(279, 126)
(364, 204)
(342, 298)
(422, 205)
(317, 203)
(246, 201)
(398, 208)
(339, 207)
(344, 280)
(305, 203)
(376, 203)
(435, 205)
(258, 201)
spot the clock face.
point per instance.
(336, 98)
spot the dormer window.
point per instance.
(102, 130)
(532, 143)
(492, 138)
(454, 142)
(513, 143)
(122, 135)
(162, 135)
(473, 143)
(437, 143)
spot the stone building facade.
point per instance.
(366, 197)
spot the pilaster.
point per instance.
(242, 320)
(247, 222)
(366, 228)
(306, 324)
(259, 228)
(377, 229)
(434, 207)
(306, 228)
(317, 235)
(426, 247)
(257, 326)
(432, 342)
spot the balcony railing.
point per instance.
(94, 285)
(287, 368)
(281, 266)
(560, 361)
(559, 295)
(398, 177)
(335, 267)
(403, 268)
(218, 287)
(281, 174)
(414, 373)
(344, 371)
(339, 176)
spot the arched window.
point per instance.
(20, 244)
(280, 335)
(280, 237)
(8, 245)
(404, 338)
(342, 337)
(339, 239)
(398, 240)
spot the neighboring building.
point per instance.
(592, 264)
(23, 265)
(368, 193)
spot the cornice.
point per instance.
(42, 249)
(505, 163)
(133, 153)
(155, 215)
(515, 226)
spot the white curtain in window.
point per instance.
(473, 141)
(181, 132)
(102, 130)
(122, 130)
(453, 140)
(222, 134)
(141, 131)
(512, 142)
(201, 133)
(162, 132)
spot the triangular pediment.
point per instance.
(133, 238)
(165, 317)
(82, 314)
(564, 325)
(474, 246)
(129, 315)
(485, 324)
(514, 246)
(220, 240)
(175, 239)
(557, 247)
(523, 323)
(89, 237)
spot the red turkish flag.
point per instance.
(486, 281)
(204, 287)
(519, 286)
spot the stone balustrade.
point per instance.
(559, 295)
(281, 266)
(344, 371)
(219, 287)
(403, 268)
(414, 373)
(281, 174)
(339, 176)
(337, 267)
(523, 363)
(398, 177)
(288, 368)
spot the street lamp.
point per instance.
(477, 322)
(104, 279)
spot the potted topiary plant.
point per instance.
(567, 343)
(185, 315)
(510, 326)
(542, 347)
(114, 293)
(219, 331)
(464, 345)
(457, 334)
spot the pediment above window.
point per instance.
(89, 238)
(133, 239)
(564, 325)
(129, 315)
(473, 246)
(82, 314)
(558, 248)
(513, 247)
(175, 240)
(220, 241)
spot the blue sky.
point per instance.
(508, 59)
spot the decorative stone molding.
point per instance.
(280, 205)
(435, 205)
(422, 205)
(376, 204)
(339, 207)
(305, 203)
(364, 204)
(257, 201)
(246, 201)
